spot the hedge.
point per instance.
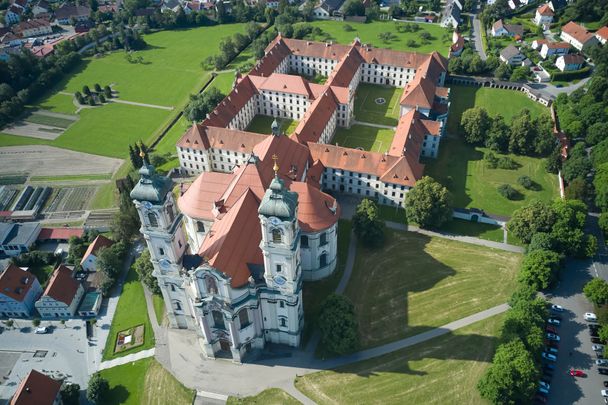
(571, 75)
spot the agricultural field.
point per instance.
(364, 137)
(422, 374)
(368, 33)
(424, 283)
(377, 104)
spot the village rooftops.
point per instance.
(577, 32)
(16, 282)
(36, 389)
(62, 286)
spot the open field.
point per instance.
(261, 124)
(271, 396)
(364, 137)
(415, 283)
(145, 382)
(130, 311)
(368, 33)
(368, 108)
(460, 167)
(440, 371)
(59, 103)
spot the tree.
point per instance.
(70, 394)
(508, 192)
(497, 137)
(596, 291)
(475, 124)
(568, 227)
(526, 221)
(107, 91)
(525, 182)
(512, 377)
(202, 104)
(521, 324)
(354, 7)
(603, 223)
(601, 186)
(503, 71)
(97, 88)
(102, 98)
(523, 134)
(36, 322)
(599, 153)
(576, 167)
(338, 325)
(9, 323)
(603, 333)
(542, 241)
(520, 74)
(539, 268)
(579, 189)
(367, 225)
(126, 220)
(97, 389)
(86, 90)
(143, 267)
(429, 204)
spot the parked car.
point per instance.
(545, 391)
(605, 383)
(602, 370)
(544, 385)
(595, 339)
(552, 350)
(590, 316)
(539, 399)
(551, 329)
(549, 366)
(601, 362)
(557, 308)
(593, 326)
(594, 333)
(605, 393)
(554, 321)
(576, 373)
(552, 343)
(549, 356)
(552, 336)
(41, 330)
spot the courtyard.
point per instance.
(364, 137)
(416, 283)
(261, 124)
(377, 104)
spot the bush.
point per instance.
(348, 28)
(525, 182)
(102, 98)
(508, 192)
(338, 325)
(571, 75)
(507, 163)
(98, 389)
(97, 88)
(590, 245)
(603, 223)
(491, 160)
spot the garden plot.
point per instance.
(42, 124)
(70, 199)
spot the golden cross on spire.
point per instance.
(276, 165)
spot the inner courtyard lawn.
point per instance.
(364, 137)
(271, 396)
(440, 371)
(368, 33)
(144, 382)
(130, 311)
(460, 167)
(415, 283)
(367, 109)
(261, 124)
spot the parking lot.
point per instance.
(62, 353)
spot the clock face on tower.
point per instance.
(164, 263)
(280, 280)
(275, 221)
(146, 205)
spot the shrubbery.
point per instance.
(508, 192)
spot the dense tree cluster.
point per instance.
(338, 325)
(126, 222)
(596, 291)
(143, 267)
(202, 104)
(78, 246)
(429, 204)
(230, 47)
(469, 62)
(98, 389)
(109, 265)
(367, 224)
(525, 135)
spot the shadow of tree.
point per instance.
(117, 395)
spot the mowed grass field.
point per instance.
(416, 283)
(368, 33)
(367, 109)
(130, 311)
(444, 370)
(145, 382)
(361, 136)
(271, 396)
(262, 124)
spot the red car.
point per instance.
(551, 329)
(576, 373)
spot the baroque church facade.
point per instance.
(231, 254)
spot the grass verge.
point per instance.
(271, 396)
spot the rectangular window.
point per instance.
(279, 268)
(244, 318)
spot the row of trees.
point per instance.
(231, 46)
(524, 136)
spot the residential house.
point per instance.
(66, 13)
(451, 15)
(33, 28)
(537, 44)
(17, 238)
(172, 5)
(61, 296)
(327, 8)
(512, 56)
(13, 15)
(570, 62)
(578, 36)
(602, 35)
(499, 29)
(544, 16)
(89, 259)
(37, 389)
(10, 39)
(19, 290)
(457, 44)
(554, 48)
(42, 7)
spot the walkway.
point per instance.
(127, 359)
(369, 124)
(117, 100)
(466, 239)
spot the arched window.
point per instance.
(218, 320)
(170, 212)
(277, 236)
(200, 226)
(152, 220)
(283, 322)
(323, 260)
(211, 285)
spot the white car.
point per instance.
(549, 356)
(552, 336)
(557, 308)
(605, 393)
(601, 362)
(597, 348)
(554, 321)
(590, 316)
(41, 330)
(545, 385)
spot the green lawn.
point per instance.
(271, 396)
(475, 229)
(56, 102)
(416, 283)
(130, 311)
(496, 101)
(368, 33)
(50, 121)
(440, 371)
(314, 292)
(159, 307)
(261, 124)
(144, 382)
(368, 110)
(361, 136)
(461, 168)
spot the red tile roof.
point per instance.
(326, 50)
(344, 72)
(62, 287)
(36, 389)
(316, 210)
(60, 233)
(602, 33)
(410, 131)
(557, 45)
(418, 93)
(577, 32)
(16, 282)
(197, 202)
(545, 10)
(315, 119)
(227, 109)
(283, 83)
(292, 157)
(99, 243)
(275, 53)
(201, 137)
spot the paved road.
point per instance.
(556, 91)
(476, 37)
